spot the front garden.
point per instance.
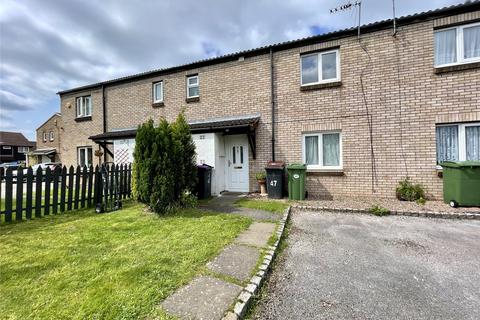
(118, 265)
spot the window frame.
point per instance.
(320, 165)
(86, 155)
(192, 86)
(51, 136)
(83, 114)
(459, 46)
(319, 54)
(154, 86)
(462, 139)
(23, 149)
(45, 136)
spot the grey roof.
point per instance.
(374, 26)
(208, 125)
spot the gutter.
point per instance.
(272, 99)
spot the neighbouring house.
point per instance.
(49, 136)
(14, 147)
(362, 113)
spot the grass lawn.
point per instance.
(267, 205)
(118, 265)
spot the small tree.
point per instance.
(164, 165)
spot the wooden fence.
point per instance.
(26, 194)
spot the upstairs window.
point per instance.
(322, 150)
(84, 106)
(51, 136)
(457, 45)
(23, 149)
(193, 90)
(158, 92)
(458, 142)
(45, 136)
(321, 67)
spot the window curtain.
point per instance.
(447, 143)
(445, 47)
(311, 150)
(473, 143)
(331, 149)
(471, 42)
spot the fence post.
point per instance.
(28, 203)
(38, 192)
(8, 195)
(129, 183)
(70, 188)
(48, 179)
(56, 173)
(77, 187)
(89, 189)
(63, 189)
(84, 186)
(97, 192)
(19, 206)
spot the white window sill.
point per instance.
(320, 82)
(458, 63)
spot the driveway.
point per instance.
(346, 266)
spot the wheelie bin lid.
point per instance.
(275, 165)
(204, 166)
(460, 164)
(296, 166)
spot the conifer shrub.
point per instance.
(164, 169)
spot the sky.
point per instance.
(50, 45)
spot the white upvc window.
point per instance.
(323, 150)
(45, 136)
(458, 142)
(457, 45)
(84, 106)
(158, 92)
(85, 156)
(320, 67)
(193, 86)
(23, 149)
(52, 137)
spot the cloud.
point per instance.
(52, 45)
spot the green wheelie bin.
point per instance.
(296, 181)
(461, 183)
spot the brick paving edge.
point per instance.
(246, 297)
(427, 214)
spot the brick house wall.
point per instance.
(405, 97)
(55, 125)
(76, 133)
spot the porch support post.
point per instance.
(252, 142)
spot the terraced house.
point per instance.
(361, 112)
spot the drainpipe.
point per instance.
(104, 110)
(272, 98)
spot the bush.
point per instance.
(260, 175)
(407, 191)
(164, 169)
(379, 211)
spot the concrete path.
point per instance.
(353, 266)
(208, 296)
(226, 203)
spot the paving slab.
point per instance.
(257, 234)
(236, 261)
(203, 298)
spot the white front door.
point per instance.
(237, 163)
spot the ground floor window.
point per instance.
(322, 150)
(458, 142)
(85, 156)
